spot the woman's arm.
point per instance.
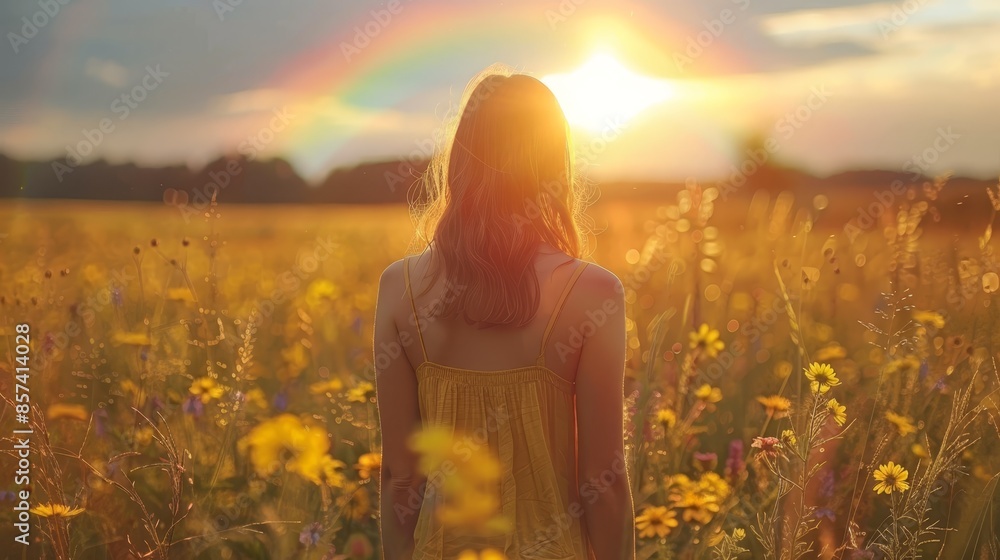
(600, 402)
(400, 485)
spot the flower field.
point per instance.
(203, 387)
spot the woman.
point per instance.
(499, 328)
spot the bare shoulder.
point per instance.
(595, 280)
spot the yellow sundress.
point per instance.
(527, 417)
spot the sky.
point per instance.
(654, 90)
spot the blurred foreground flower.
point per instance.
(468, 481)
(707, 340)
(655, 521)
(891, 477)
(285, 441)
(368, 464)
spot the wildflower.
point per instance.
(367, 464)
(929, 318)
(825, 513)
(193, 406)
(143, 436)
(739, 534)
(206, 388)
(838, 411)
(902, 423)
(788, 437)
(821, 377)
(769, 446)
(708, 394)
(329, 386)
(311, 534)
(666, 418)
(331, 473)
(775, 405)
(734, 462)
(919, 451)
(698, 500)
(286, 441)
(705, 461)
(655, 521)
(320, 290)
(832, 351)
(362, 393)
(891, 477)
(63, 410)
(707, 340)
(714, 485)
(486, 554)
(256, 397)
(356, 503)
(56, 510)
(903, 365)
(359, 547)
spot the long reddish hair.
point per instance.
(500, 185)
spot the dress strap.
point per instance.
(413, 306)
(555, 313)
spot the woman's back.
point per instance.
(525, 415)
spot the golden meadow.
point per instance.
(203, 386)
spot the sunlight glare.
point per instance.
(603, 93)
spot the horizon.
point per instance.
(826, 85)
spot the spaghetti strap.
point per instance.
(413, 306)
(555, 312)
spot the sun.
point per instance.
(603, 93)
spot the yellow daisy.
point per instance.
(655, 521)
(707, 340)
(206, 388)
(891, 477)
(55, 510)
(775, 405)
(667, 418)
(708, 393)
(821, 377)
(904, 424)
(838, 411)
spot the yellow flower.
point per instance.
(838, 411)
(206, 388)
(55, 510)
(788, 437)
(486, 554)
(655, 521)
(713, 484)
(929, 318)
(257, 398)
(355, 502)
(285, 441)
(775, 405)
(821, 377)
(891, 477)
(920, 451)
(367, 464)
(903, 423)
(466, 479)
(329, 386)
(331, 473)
(707, 340)
(362, 393)
(63, 410)
(320, 290)
(699, 500)
(666, 418)
(739, 534)
(907, 364)
(708, 393)
(832, 351)
(131, 339)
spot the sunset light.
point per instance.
(603, 92)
